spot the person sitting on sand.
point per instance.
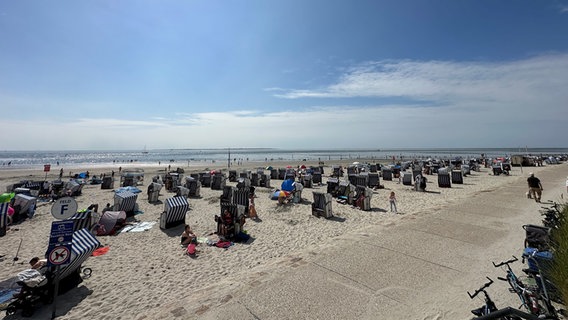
(187, 236)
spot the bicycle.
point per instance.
(489, 305)
(529, 296)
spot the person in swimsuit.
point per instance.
(187, 236)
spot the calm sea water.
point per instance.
(85, 158)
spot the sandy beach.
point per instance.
(146, 275)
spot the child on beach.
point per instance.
(392, 201)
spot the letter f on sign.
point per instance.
(64, 208)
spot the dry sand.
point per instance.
(147, 275)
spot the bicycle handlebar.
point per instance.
(505, 262)
(486, 285)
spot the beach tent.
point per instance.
(109, 220)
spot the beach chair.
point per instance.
(194, 186)
(465, 169)
(337, 171)
(24, 207)
(457, 176)
(361, 179)
(416, 172)
(245, 174)
(307, 181)
(228, 229)
(254, 179)
(407, 178)
(444, 180)
(281, 174)
(352, 178)
(297, 195)
(82, 220)
(4, 215)
(333, 186)
(374, 180)
(290, 174)
(218, 181)
(317, 178)
(205, 179)
(265, 180)
(227, 195)
(241, 197)
(387, 174)
(321, 207)
(125, 201)
(373, 168)
(243, 183)
(74, 187)
(82, 246)
(107, 183)
(182, 192)
(366, 193)
(174, 212)
(154, 192)
(274, 174)
(497, 170)
(537, 237)
(346, 192)
(232, 175)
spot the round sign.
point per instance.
(59, 255)
(64, 208)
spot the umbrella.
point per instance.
(303, 166)
(288, 185)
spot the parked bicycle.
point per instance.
(489, 305)
(530, 297)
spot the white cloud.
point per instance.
(472, 104)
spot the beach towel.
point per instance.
(129, 188)
(138, 227)
(100, 251)
(223, 244)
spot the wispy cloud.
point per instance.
(442, 81)
(470, 104)
(563, 9)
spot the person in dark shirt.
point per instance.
(535, 187)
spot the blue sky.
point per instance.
(284, 74)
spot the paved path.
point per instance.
(420, 269)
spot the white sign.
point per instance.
(64, 208)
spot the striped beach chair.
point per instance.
(457, 176)
(254, 179)
(274, 174)
(218, 181)
(407, 178)
(387, 174)
(374, 180)
(307, 181)
(4, 217)
(241, 197)
(174, 213)
(125, 201)
(321, 207)
(82, 246)
(265, 180)
(82, 220)
(444, 180)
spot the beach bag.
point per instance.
(190, 249)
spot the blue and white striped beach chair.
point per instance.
(174, 213)
(125, 201)
(81, 220)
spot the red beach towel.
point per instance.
(100, 251)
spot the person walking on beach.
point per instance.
(392, 201)
(535, 187)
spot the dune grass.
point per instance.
(559, 270)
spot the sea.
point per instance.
(197, 157)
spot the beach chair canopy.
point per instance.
(109, 220)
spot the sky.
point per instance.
(303, 74)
